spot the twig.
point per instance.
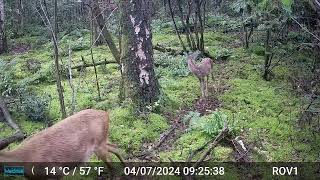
(198, 150)
(165, 136)
(220, 136)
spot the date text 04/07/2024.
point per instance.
(173, 171)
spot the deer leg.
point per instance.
(207, 82)
(103, 153)
(212, 77)
(202, 88)
(114, 150)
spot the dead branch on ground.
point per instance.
(85, 65)
(171, 51)
(165, 136)
(212, 145)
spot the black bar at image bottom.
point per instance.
(164, 170)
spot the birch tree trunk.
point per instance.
(3, 38)
(141, 85)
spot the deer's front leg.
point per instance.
(103, 153)
(202, 84)
(207, 83)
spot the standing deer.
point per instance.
(72, 140)
(201, 70)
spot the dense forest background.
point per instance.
(130, 58)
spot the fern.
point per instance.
(213, 123)
(210, 124)
(193, 118)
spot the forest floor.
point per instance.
(263, 114)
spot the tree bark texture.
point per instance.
(175, 26)
(106, 34)
(3, 38)
(19, 21)
(141, 85)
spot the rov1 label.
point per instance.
(284, 171)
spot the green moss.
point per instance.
(266, 115)
(167, 40)
(181, 91)
(223, 154)
(186, 144)
(130, 132)
(5, 130)
(217, 38)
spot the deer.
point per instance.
(201, 70)
(72, 140)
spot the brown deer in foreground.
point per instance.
(72, 140)
(201, 70)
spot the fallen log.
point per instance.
(18, 136)
(174, 52)
(85, 65)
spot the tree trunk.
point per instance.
(6, 114)
(201, 21)
(106, 34)
(56, 60)
(19, 18)
(175, 26)
(268, 56)
(3, 38)
(98, 37)
(190, 5)
(141, 85)
(187, 29)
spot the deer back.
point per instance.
(73, 139)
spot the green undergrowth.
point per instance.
(266, 112)
(181, 91)
(129, 132)
(200, 131)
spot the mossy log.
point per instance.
(95, 64)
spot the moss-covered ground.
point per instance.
(263, 113)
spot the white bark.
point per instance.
(3, 44)
(2, 15)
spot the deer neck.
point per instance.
(191, 63)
